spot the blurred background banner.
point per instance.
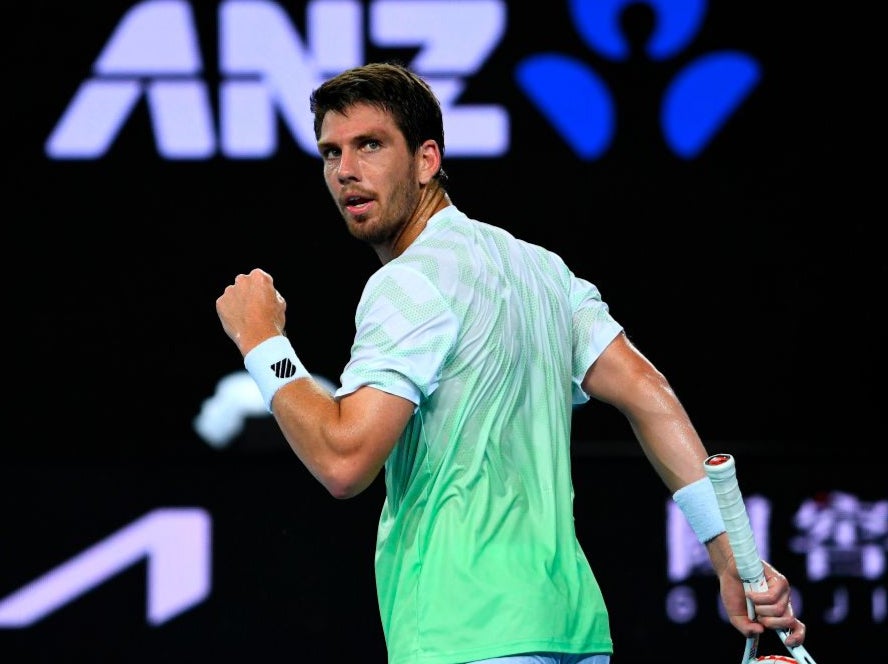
(708, 165)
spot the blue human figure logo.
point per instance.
(696, 104)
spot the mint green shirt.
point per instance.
(490, 337)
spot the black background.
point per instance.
(751, 275)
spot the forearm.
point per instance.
(335, 443)
(666, 435)
(626, 379)
(720, 554)
(317, 430)
(677, 453)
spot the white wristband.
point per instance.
(273, 364)
(700, 506)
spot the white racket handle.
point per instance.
(722, 472)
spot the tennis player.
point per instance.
(472, 347)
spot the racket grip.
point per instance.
(722, 472)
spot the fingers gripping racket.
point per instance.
(722, 471)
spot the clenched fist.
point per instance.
(251, 310)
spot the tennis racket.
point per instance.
(722, 471)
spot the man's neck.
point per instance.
(434, 200)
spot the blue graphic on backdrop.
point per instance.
(695, 105)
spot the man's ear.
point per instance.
(429, 161)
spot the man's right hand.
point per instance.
(251, 310)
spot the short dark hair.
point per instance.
(391, 87)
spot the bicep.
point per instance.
(621, 375)
(343, 442)
(375, 419)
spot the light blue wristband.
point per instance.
(273, 364)
(698, 503)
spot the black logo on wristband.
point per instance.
(283, 368)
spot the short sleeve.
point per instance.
(404, 333)
(593, 329)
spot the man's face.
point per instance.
(369, 171)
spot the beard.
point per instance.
(391, 218)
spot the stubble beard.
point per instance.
(390, 223)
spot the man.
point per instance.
(471, 349)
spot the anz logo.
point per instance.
(267, 70)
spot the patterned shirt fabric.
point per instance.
(490, 337)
